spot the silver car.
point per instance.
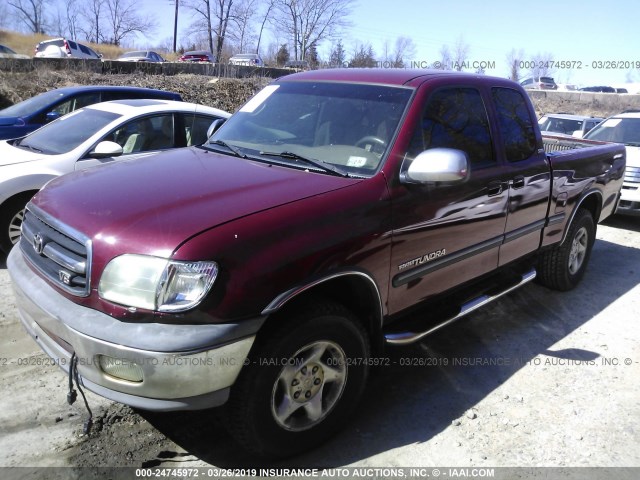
(251, 59)
(141, 56)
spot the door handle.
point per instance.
(494, 188)
(518, 182)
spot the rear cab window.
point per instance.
(515, 124)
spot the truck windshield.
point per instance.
(617, 130)
(347, 125)
(67, 132)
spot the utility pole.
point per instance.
(175, 28)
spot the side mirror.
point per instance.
(106, 149)
(438, 165)
(215, 125)
(51, 116)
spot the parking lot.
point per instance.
(539, 378)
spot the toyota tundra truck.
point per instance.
(336, 214)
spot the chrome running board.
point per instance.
(406, 338)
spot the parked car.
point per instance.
(252, 59)
(624, 128)
(539, 83)
(297, 64)
(197, 56)
(141, 56)
(6, 52)
(26, 116)
(64, 48)
(93, 135)
(281, 257)
(621, 90)
(567, 87)
(566, 124)
(598, 89)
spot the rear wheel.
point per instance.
(302, 382)
(563, 266)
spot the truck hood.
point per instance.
(633, 156)
(152, 205)
(10, 155)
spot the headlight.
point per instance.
(156, 283)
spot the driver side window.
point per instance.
(456, 118)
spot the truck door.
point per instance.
(445, 234)
(527, 171)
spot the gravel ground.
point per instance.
(539, 378)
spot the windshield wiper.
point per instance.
(27, 147)
(235, 150)
(327, 167)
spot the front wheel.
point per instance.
(11, 216)
(562, 267)
(301, 382)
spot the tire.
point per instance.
(11, 215)
(563, 266)
(276, 411)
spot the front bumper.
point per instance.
(184, 367)
(629, 199)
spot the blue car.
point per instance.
(25, 117)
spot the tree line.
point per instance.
(296, 30)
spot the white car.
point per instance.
(91, 136)
(250, 59)
(624, 128)
(64, 48)
(567, 124)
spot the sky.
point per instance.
(595, 43)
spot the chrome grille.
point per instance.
(632, 174)
(58, 252)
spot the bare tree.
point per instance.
(92, 13)
(203, 18)
(213, 17)
(514, 59)
(542, 65)
(72, 14)
(265, 18)
(460, 54)
(404, 49)
(31, 13)
(243, 22)
(309, 22)
(124, 18)
(445, 59)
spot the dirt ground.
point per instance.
(539, 378)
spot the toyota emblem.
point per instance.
(38, 243)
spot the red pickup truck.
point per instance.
(268, 269)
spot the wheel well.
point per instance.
(22, 195)
(354, 292)
(592, 204)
